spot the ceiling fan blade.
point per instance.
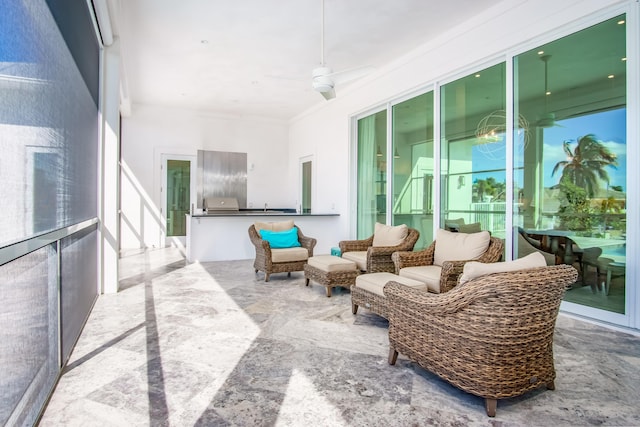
(330, 94)
(350, 74)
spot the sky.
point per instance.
(608, 127)
(16, 34)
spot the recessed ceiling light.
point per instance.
(624, 59)
(477, 75)
(541, 52)
(610, 76)
(621, 22)
(548, 92)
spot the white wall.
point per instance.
(513, 25)
(150, 132)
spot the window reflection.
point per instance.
(570, 180)
(372, 172)
(413, 166)
(473, 148)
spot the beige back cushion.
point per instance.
(470, 228)
(476, 269)
(274, 226)
(388, 235)
(453, 223)
(452, 246)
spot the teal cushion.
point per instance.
(281, 239)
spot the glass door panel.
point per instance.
(413, 165)
(306, 187)
(178, 196)
(473, 153)
(570, 178)
(372, 173)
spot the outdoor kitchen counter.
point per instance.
(224, 236)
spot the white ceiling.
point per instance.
(255, 57)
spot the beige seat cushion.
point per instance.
(429, 274)
(289, 254)
(388, 235)
(374, 282)
(452, 246)
(274, 226)
(331, 263)
(359, 257)
(474, 269)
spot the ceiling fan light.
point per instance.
(322, 86)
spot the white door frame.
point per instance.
(302, 161)
(179, 241)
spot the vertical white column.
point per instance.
(110, 169)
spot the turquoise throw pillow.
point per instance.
(281, 239)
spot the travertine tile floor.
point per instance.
(212, 344)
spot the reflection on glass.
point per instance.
(473, 153)
(413, 166)
(178, 196)
(78, 291)
(372, 173)
(570, 179)
(306, 187)
(28, 335)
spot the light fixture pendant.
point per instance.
(379, 153)
(546, 119)
(546, 59)
(396, 155)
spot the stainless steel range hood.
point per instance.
(221, 175)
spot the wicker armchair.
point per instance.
(491, 336)
(451, 270)
(379, 257)
(286, 260)
(526, 245)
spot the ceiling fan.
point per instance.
(547, 119)
(324, 79)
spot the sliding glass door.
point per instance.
(561, 175)
(413, 165)
(371, 173)
(570, 181)
(473, 152)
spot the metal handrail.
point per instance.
(15, 250)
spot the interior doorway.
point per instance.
(179, 177)
(306, 184)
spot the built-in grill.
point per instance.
(221, 204)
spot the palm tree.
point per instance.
(586, 163)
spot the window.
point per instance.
(49, 169)
(372, 173)
(473, 152)
(413, 165)
(570, 185)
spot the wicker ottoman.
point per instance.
(368, 291)
(330, 271)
